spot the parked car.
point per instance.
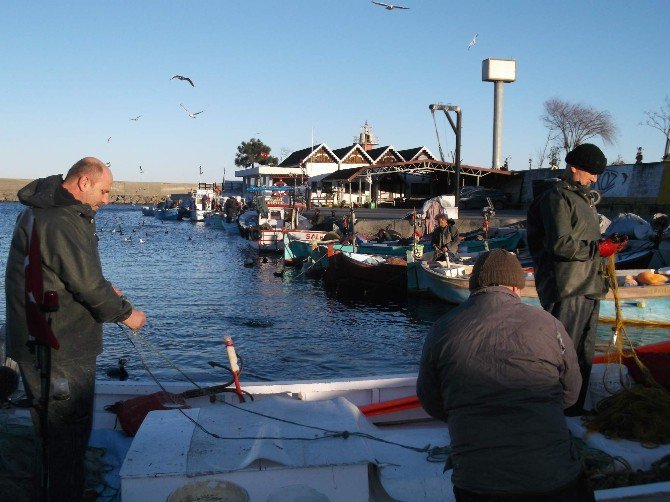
(478, 198)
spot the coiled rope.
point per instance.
(640, 413)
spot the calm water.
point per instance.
(191, 282)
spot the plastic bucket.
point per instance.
(606, 380)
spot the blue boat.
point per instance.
(317, 261)
(510, 242)
(171, 214)
(640, 305)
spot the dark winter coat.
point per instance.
(500, 373)
(446, 237)
(563, 235)
(70, 267)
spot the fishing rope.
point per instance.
(327, 433)
(307, 269)
(639, 413)
(615, 351)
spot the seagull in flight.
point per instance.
(473, 41)
(109, 139)
(141, 169)
(180, 77)
(136, 118)
(200, 170)
(389, 6)
(190, 114)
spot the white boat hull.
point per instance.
(171, 455)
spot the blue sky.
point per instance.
(74, 73)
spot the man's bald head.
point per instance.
(89, 181)
(88, 166)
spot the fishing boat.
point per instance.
(342, 440)
(510, 242)
(277, 214)
(169, 214)
(202, 200)
(246, 221)
(380, 274)
(642, 305)
(148, 210)
(215, 219)
(296, 249)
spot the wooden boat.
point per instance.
(202, 200)
(296, 250)
(255, 455)
(280, 214)
(381, 274)
(215, 219)
(148, 210)
(641, 305)
(510, 242)
(171, 214)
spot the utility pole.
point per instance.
(457, 131)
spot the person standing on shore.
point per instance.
(568, 254)
(500, 373)
(58, 225)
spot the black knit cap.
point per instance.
(497, 268)
(587, 157)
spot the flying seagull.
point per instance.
(109, 139)
(180, 77)
(136, 118)
(388, 6)
(141, 169)
(200, 169)
(108, 164)
(192, 115)
(473, 41)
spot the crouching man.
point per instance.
(500, 373)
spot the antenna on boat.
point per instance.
(234, 366)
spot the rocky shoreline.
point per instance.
(123, 192)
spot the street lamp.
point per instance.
(498, 71)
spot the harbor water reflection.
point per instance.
(191, 281)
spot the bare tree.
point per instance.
(575, 123)
(554, 162)
(619, 161)
(542, 154)
(660, 120)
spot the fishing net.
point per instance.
(606, 471)
(17, 461)
(19, 453)
(639, 413)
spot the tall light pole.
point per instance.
(498, 71)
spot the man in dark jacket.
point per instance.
(62, 214)
(500, 373)
(564, 242)
(231, 208)
(445, 239)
